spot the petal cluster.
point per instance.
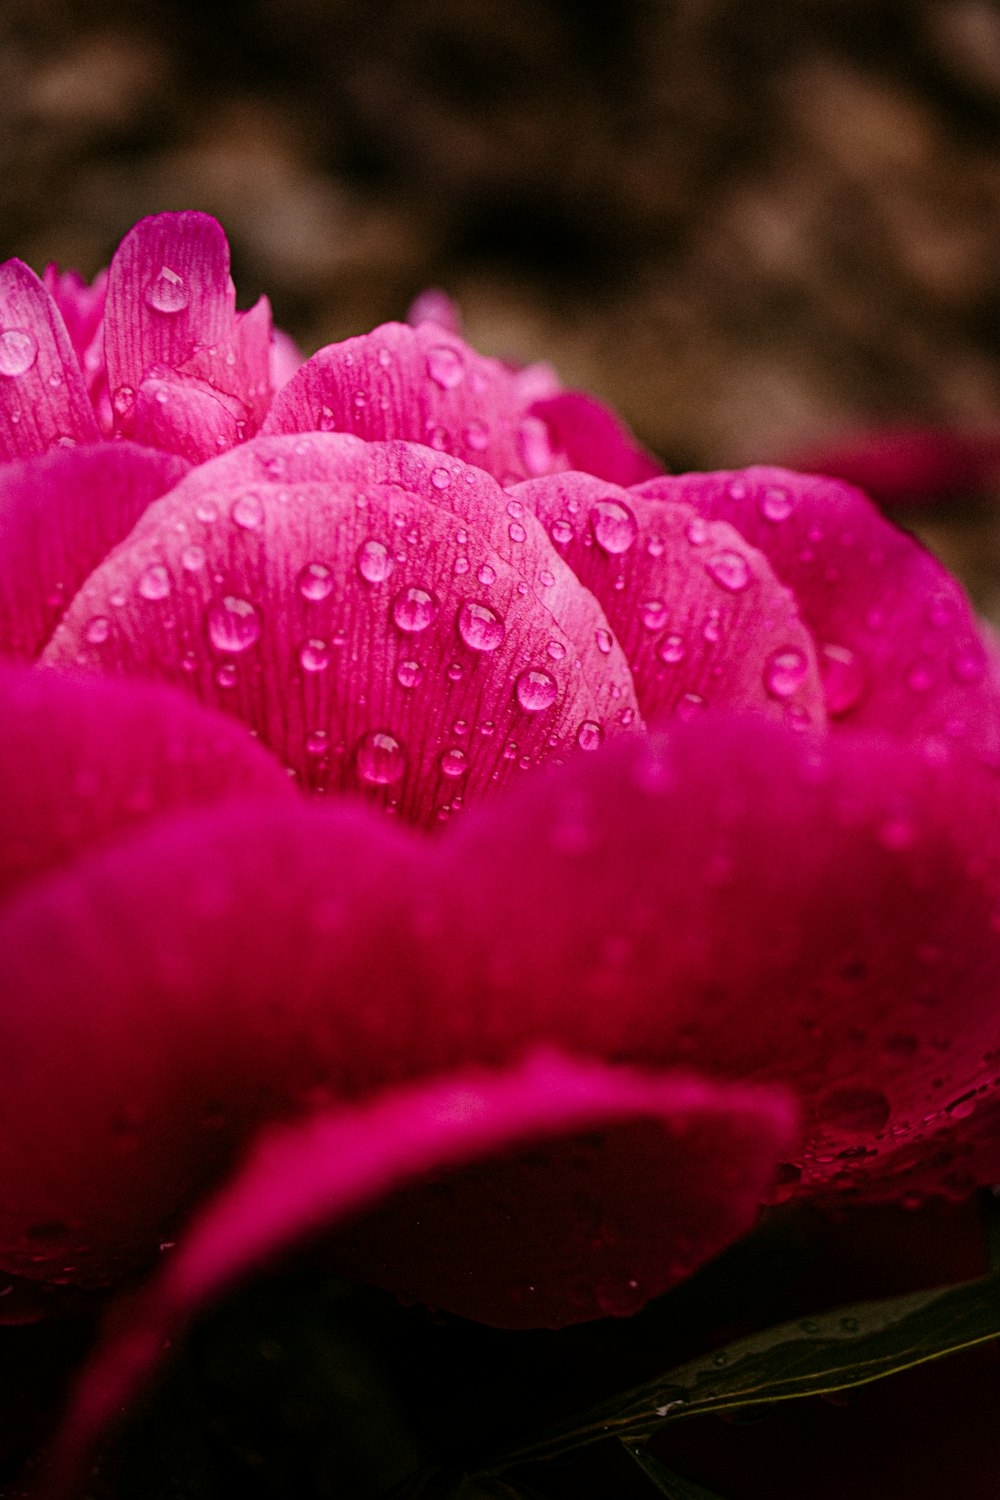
(712, 916)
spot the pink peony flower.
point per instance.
(688, 898)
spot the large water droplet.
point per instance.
(843, 678)
(248, 511)
(480, 627)
(536, 690)
(454, 762)
(315, 582)
(18, 351)
(445, 366)
(374, 561)
(562, 532)
(166, 293)
(380, 758)
(154, 583)
(233, 624)
(785, 672)
(413, 610)
(614, 526)
(314, 655)
(729, 569)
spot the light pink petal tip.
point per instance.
(899, 646)
(43, 398)
(386, 618)
(610, 1185)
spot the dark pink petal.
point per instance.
(60, 515)
(425, 385)
(385, 619)
(43, 399)
(910, 465)
(700, 615)
(669, 1172)
(594, 439)
(81, 305)
(81, 759)
(185, 417)
(899, 645)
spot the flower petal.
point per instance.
(699, 613)
(43, 399)
(60, 515)
(185, 417)
(384, 620)
(594, 439)
(669, 1171)
(80, 760)
(898, 642)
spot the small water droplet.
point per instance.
(440, 478)
(248, 511)
(785, 671)
(454, 672)
(562, 532)
(604, 640)
(166, 293)
(314, 655)
(614, 526)
(326, 421)
(413, 610)
(775, 503)
(315, 582)
(193, 559)
(225, 675)
(589, 735)
(536, 690)
(691, 706)
(380, 758)
(729, 569)
(487, 575)
(445, 366)
(374, 561)
(555, 650)
(409, 673)
(480, 627)
(477, 435)
(454, 762)
(653, 614)
(843, 678)
(696, 531)
(516, 531)
(233, 624)
(18, 351)
(97, 631)
(671, 650)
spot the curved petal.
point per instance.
(185, 417)
(909, 465)
(425, 385)
(700, 615)
(594, 439)
(60, 515)
(80, 760)
(670, 1170)
(43, 399)
(898, 640)
(391, 623)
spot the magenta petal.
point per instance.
(43, 399)
(60, 515)
(700, 615)
(898, 643)
(671, 1170)
(425, 385)
(81, 306)
(909, 465)
(594, 439)
(80, 760)
(186, 418)
(385, 619)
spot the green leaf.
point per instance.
(848, 1347)
(671, 1485)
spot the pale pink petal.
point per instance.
(435, 306)
(60, 515)
(386, 619)
(81, 759)
(284, 358)
(669, 1168)
(899, 645)
(700, 615)
(594, 439)
(43, 399)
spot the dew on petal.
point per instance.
(785, 671)
(614, 526)
(409, 674)
(226, 675)
(589, 736)
(413, 610)
(604, 640)
(691, 706)
(166, 293)
(536, 690)
(440, 478)
(374, 561)
(562, 532)
(487, 575)
(653, 614)
(445, 366)
(315, 582)
(843, 678)
(193, 559)
(480, 627)
(729, 569)
(555, 650)
(477, 436)
(696, 531)
(18, 351)
(314, 655)
(97, 631)
(775, 503)
(248, 511)
(671, 649)
(233, 624)
(326, 420)
(454, 762)
(516, 531)
(380, 758)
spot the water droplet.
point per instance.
(671, 650)
(454, 762)
(155, 583)
(166, 293)
(487, 575)
(480, 627)
(445, 366)
(843, 678)
(562, 532)
(413, 610)
(225, 676)
(409, 673)
(233, 624)
(97, 631)
(536, 690)
(775, 503)
(712, 628)
(374, 561)
(248, 511)
(785, 671)
(454, 672)
(193, 559)
(546, 578)
(604, 640)
(555, 650)
(18, 351)
(729, 569)
(589, 736)
(477, 435)
(614, 526)
(327, 420)
(380, 758)
(696, 531)
(653, 614)
(440, 478)
(314, 655)
(437, 436)
(516, 531)
(690, 707)
(315, 582)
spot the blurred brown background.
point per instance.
(752, 225)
